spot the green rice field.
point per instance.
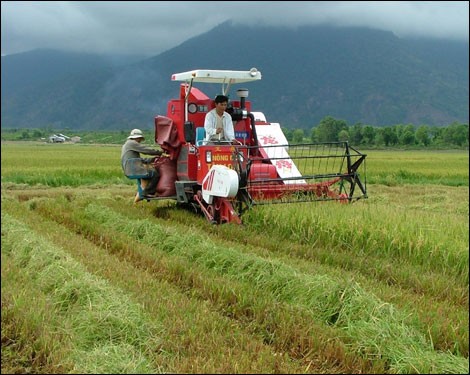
(93, 283)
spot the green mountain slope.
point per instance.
(355, 74)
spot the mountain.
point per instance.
(350, 73)
(41, 66)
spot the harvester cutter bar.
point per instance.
(308, 172)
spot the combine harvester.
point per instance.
(223, 180)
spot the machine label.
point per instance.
(221, 157)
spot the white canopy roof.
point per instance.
(218, 76)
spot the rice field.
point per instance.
(92, 283)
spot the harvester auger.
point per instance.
(222, 180)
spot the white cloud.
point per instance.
(149, 28)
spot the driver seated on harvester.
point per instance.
(218, 123)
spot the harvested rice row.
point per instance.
(375, 327)
(195, 339)
(106, 331)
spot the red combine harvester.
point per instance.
(222, 180)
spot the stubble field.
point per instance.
(92, 283)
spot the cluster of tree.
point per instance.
(331, 130)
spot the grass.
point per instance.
(96, 320)
(93, 283)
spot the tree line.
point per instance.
(331, 130)
(455, 135)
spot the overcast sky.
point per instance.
(151, 27)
